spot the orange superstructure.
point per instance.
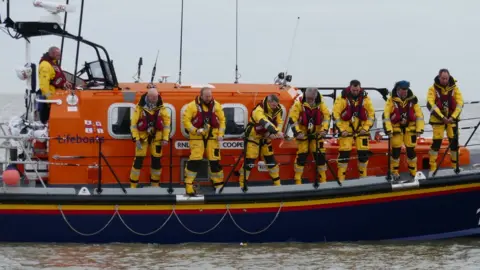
(106, 114)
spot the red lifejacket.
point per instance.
(59, 80)
(400, 113)
(148, 120)
(354, 110)
(260, 128)
(445, 101)
(202, 117)
(310, 115)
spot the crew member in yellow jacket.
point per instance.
(150, 126)
(404, 123)
(310, 120)
(353, 115)
(204, 120)
(265, 124)
(445, 102)
(51, 78)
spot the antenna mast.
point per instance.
(8, 11)
(291, 48)
(139, 70)
(78, 47)
(63, 37)
(236, 42)
(154, 70)
(181, 43)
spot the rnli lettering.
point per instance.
(223, 145)
(79, 139)
(231, 145)
(182, 145)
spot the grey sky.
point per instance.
(375, 41)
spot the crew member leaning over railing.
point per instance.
(265, 125)
(445, 102)
(310, 119)
(354, 116)
(150, 126)
(204, 120)
(404, 123)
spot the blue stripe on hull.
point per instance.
(443, 216)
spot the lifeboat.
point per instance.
(74, 172)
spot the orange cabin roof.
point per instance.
(217, 88)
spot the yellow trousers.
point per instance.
(345, 147)
(316, 148)
(197, 151)
(409, 139)
(256, 144)
(155, 167)
(438, 133)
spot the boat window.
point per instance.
(236, 119)
(97, 72)
(119, 119)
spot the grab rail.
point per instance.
(56, 101)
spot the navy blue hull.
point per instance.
(435, 217)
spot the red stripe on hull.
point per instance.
(235, 211)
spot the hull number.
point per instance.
(478, 214)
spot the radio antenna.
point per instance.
(78, 46)
(237, 75)
(291, 48)
(63, 37)
(154, 70)
(8, 12)
(181, 43)
(139, 70)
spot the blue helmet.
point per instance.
(403, 84)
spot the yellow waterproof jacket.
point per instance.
(297, 110)
(395, 106)
(46, 73)
(193, 114)
(436, 106)
(354, 125)
(141, 111)
(264, 116)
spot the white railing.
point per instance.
(7, 146)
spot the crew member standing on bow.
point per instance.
(353, 114)
(265, 124)
(404, 123)
(150, 126)
(310, 120)
(445, 102)
(204, 120)
(51, 78)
